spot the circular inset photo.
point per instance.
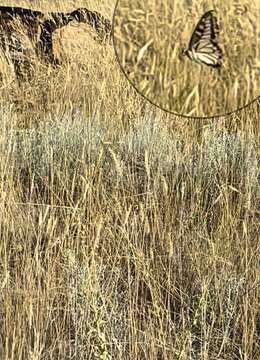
(192, 58)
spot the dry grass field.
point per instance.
(126, 232)
(150, 37)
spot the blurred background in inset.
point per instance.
(149, 37)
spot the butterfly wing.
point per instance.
(206, 29)
(209, 53)
(203, 43)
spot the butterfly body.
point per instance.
(203, 47)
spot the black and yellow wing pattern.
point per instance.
(203, 47)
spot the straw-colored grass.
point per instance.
(126, 232)
(150, 37)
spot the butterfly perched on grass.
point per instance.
(203, 47)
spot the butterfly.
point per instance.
(203, 47)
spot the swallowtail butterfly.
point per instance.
(203, 47)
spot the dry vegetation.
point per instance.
(150, 37)
(126, 232)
